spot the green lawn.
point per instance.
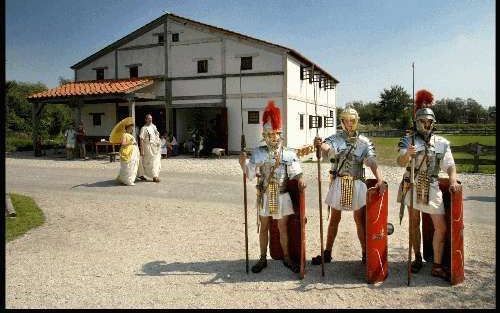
(386, 149)
(28, 216)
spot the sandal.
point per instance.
(291, 265)
(416, 265)
(259, 266)
(439, 271)
(327, 254)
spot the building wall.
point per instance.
(152, 60)
(108, 120)
(301, 100)
(147, 38)
(87, 72)
(222, 86)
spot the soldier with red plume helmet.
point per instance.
(347, 151)
(432, 153)
(273, 165)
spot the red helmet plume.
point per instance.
(423, 99)
(272, 115)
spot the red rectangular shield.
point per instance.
(296, 230)
(376, 233)
(453, 255)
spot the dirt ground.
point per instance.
(181, 244)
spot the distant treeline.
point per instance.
(395, 108)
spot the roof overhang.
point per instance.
(110, 90)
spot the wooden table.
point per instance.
(105, 144)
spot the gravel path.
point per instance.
(180, 244)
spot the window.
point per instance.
(331, 113)
(313, 121)
(328, 121)
(320, 121)
(253, 117)
(96, 118)
(202, 66)
(99, 74)
(161, 38)
(134, 71)
(246, 63)
(175, 37)
(301, 121)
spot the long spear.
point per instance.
(318, 157)
(243, 146)
(412, 181)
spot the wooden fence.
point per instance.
(399, 133)
(476, 150)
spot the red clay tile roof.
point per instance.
(93, 88)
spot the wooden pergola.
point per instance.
(76, 94)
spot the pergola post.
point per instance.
(131, 112)
(36, 110)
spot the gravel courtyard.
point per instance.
(180, 243)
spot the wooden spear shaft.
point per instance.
(412, 182)
(318, 157)
(243, 146)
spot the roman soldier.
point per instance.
(347, 151)
(432, 153)
(273, 165)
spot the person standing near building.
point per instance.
(432, 153)
(274, 165)
(347, 150)
(129, 157)
(70, 141)
(150, 145)
(81, 140)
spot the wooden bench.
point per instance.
(477, 150)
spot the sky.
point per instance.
(368, 45)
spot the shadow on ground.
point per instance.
(338, 274)
(104, 183)
(480, 198)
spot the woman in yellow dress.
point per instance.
(129, 157)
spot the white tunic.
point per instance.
(290, 164)
(150, 164)
(435, 206)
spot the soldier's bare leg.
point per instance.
(359, 219)
(283, 229)
(416, 239)
(331, 234)
(265, 222)
(439, 223)
(333, 227)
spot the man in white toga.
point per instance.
(150, 162)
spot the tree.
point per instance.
(392, 103)
(54, 117)
(18, 107)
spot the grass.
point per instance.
(28, 216)
(386, 149)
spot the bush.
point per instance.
(18, 142)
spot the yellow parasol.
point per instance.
(119, 130)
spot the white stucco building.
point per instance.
(192, 74)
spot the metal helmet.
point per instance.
(351, 114)
(425, 114)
